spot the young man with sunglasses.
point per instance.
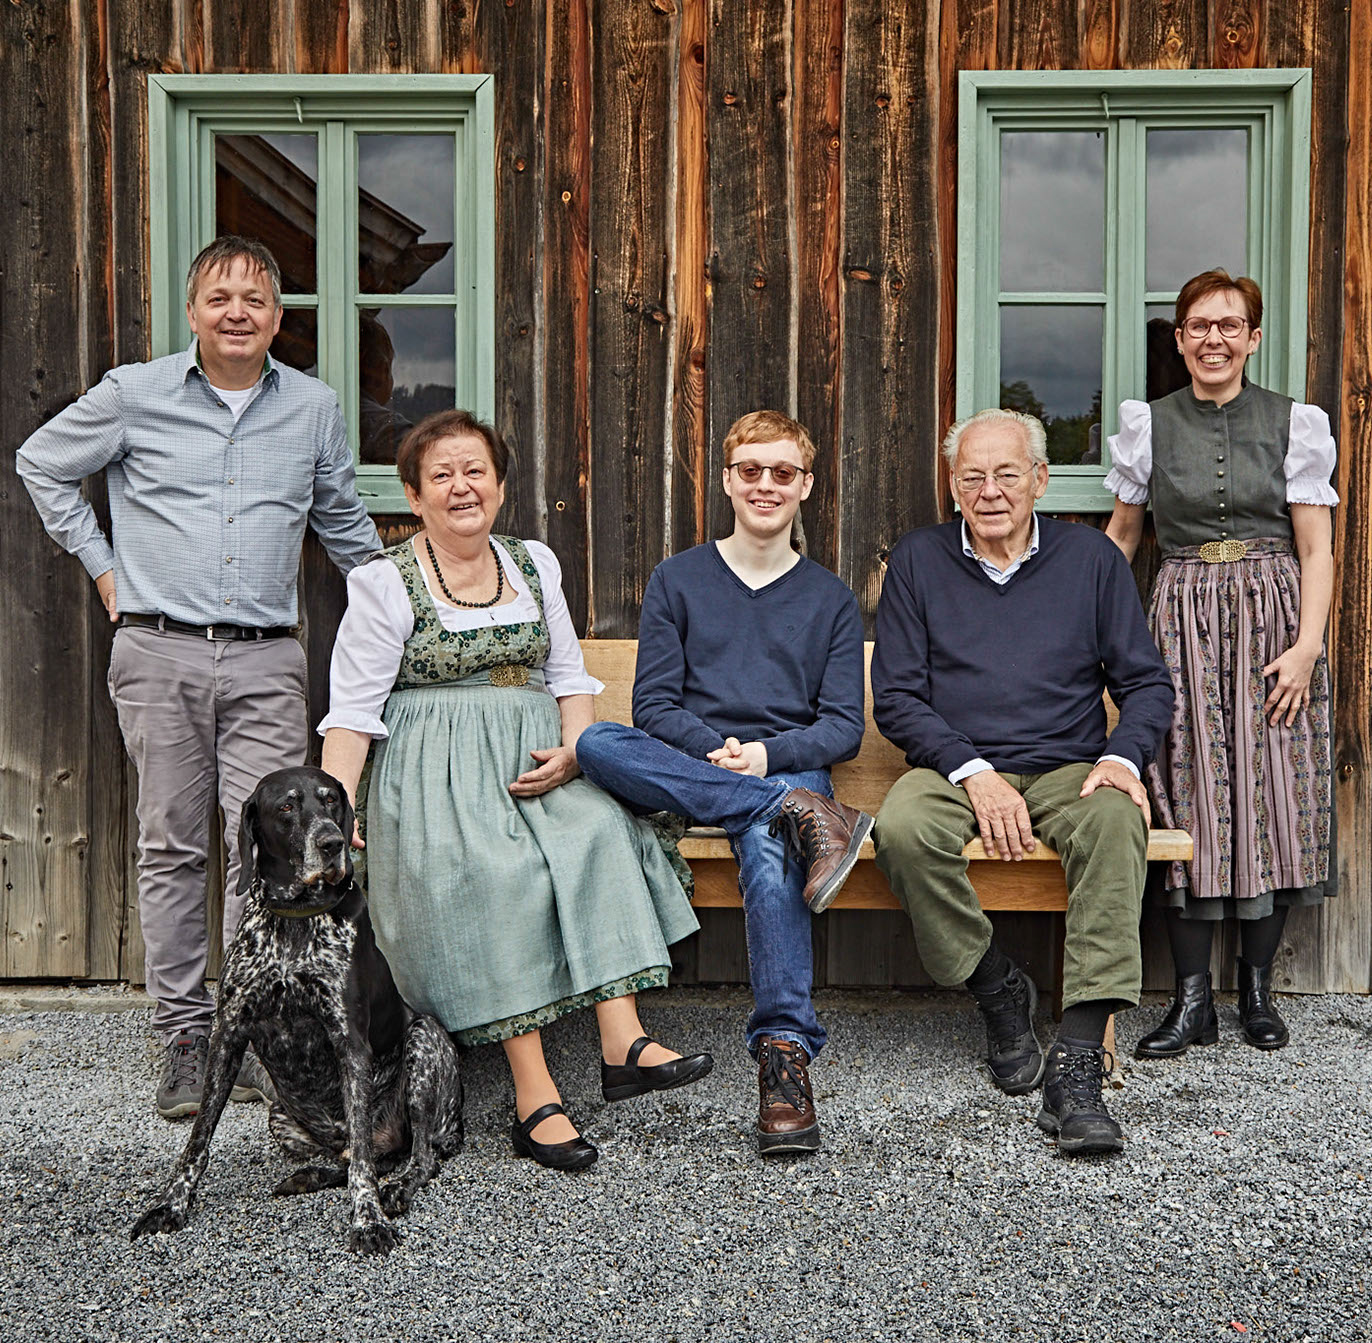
(749, 687)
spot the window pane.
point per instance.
(405, 213)
(264, 187)
(297, 342)
(1052, 211)
(1050, 366)
(408, 371)
(1197, 213)
(1165, 369)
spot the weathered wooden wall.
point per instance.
(701, 207)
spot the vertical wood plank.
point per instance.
(818, 113)
(690, 422)
(247, 37)
(890, 278)
(1237, 35)
(508, 42)
(45, 595)
(630, 171)
(1346, 931)
(321, 36)
(564, 352)
(1099, 35)
(1164, 35)
(1039, 35)
(748, 90)
(389, 37)
(967, 41)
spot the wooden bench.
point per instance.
(1035, 884)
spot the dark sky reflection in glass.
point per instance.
(1052, 211)
(1197, 212)
(405, 214)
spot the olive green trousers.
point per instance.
(1102, 841)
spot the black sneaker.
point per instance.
(1072, 1104)
(183, 1076)
(1014, 1056)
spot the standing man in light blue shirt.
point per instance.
(216, 459)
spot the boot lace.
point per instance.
(185, 1063)
(1006, 1010)
(1083, 1073)
(806, 834)
(783, 1077)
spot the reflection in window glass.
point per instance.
(297, 341)
(1050, 366)
(405, 213)
(1165, 369)
(1197, 213)
(264, 187)
(408, 370)
(1052, 211)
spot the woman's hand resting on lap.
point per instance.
(556, 765)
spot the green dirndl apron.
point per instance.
(497, 914)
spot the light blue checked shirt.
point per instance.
(208, 513)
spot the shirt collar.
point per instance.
(191, 358)
(972, 554)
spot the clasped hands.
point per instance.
(743, 757)
(1003, 818)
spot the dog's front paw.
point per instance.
(373, 1238)
(160, 1217)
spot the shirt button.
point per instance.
(230, 480)
(1223, 535)
(1219, 489)
(1220, 474)
(228, 559)
(1220, 458)
(228, 601)
(230, 438)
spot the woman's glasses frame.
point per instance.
(1229, 326)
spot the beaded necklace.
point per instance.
(457, 601)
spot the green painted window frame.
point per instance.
(184, 113)
(1273, 105)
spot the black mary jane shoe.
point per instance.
(1262, 1025)
(1190, 1020)
(618, 1083)
(574, 1154)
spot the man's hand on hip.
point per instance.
(104, 585)
(1111, 774)
(1002, 817)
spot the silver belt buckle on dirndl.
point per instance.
(1223, 552)
(509, 674)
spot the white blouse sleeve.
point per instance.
(367, 652)
(1131, 454)
(1309, 457)
(565, 669)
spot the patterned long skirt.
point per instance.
(1254, 797)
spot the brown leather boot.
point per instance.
(786, 1119)
(827, 836)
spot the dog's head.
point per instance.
(296, 833)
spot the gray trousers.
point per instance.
(200, 719)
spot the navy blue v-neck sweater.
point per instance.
(780, 664)
(1014, 673)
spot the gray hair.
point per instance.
(223, 252)
(1035, 439)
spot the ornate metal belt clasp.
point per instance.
(509, 674)
(1222, 552)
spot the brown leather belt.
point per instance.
(219, 633)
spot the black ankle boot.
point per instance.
(1190, 1020)
(1263, 1027)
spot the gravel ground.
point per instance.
(936, 1209)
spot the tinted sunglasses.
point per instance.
(783, 473)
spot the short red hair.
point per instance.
(769, 426)
(1216, 281)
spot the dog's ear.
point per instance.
(247, 847)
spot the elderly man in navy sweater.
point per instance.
(996, 635)
(748, 687)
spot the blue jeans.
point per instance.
(648, 775)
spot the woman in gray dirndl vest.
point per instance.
(1238, 481)
(505, 891)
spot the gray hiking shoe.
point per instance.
(183, 1076)
(253, 1083)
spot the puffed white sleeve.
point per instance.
(1310, 457)
(565, 669)
(367, 652)
(1131, 454)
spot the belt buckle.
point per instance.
(508, 675)
(1223, 552)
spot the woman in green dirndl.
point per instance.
(505, 891)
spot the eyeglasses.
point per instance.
(975, 481)
(783, 473)
(1198, 328)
